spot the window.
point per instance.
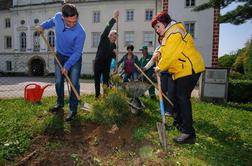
(8, 66)
(130, 15)
(36, 44)
(190, 3)
(7, 23)
(51, 39)
(96, 16)
(95, 39)
(7, 42)
(148, 15)
(22, 22)
(36, 21)
(190, 27)
(128, 38)
(22, 41)
(148, 39)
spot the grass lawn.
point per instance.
(224, 135)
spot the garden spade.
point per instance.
(161, 126)
(83, 105)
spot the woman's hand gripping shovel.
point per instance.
(83, 105)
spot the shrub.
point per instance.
(227, 60)
(236, 75)
(239, 90)
(248, 62)
(112, 108)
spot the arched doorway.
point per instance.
(37, 67)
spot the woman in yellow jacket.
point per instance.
(183, 61)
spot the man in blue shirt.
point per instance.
(70, 38)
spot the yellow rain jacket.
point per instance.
(179, 55)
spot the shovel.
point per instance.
(84, 106)
(138, 68)
(161, 126)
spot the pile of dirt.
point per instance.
(80, 145)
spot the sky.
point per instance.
(233, 37)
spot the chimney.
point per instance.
(216, 34)
(165, 5)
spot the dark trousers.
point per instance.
(167, 86)
(98, 71)
(182, 103)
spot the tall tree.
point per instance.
(248, 59)
(239, 15)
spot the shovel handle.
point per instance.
(138, 68)
(61, 67)
(117, 40)
(161, 101)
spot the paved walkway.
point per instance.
(13, 87)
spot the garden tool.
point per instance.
(138, 68)
(83, 105)
(161, 126)
(117, 40)
(135, 89)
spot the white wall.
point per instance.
(5, 31)
(28, 13)
(204, 25)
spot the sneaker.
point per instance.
(55, 108)
(70, 116)
(185, 139)
(168, 114)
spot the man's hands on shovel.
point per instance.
(39, 29)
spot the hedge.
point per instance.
(240, 90)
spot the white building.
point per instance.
(21, 50)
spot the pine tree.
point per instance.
(239, 15)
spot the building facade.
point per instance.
(23, 51)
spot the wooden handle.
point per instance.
(117, 40)
(61, 67)
(153, 84)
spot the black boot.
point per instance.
(185, 139)
(55, 108)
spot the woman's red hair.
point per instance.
(162, 17)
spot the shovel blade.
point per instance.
(162, 135)
(86, 107)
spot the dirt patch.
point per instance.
(84, 144)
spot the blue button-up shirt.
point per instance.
(69, 41)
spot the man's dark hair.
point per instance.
(130, 47)
(69, 10)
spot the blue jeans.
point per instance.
(132, 76)
(74, 75)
